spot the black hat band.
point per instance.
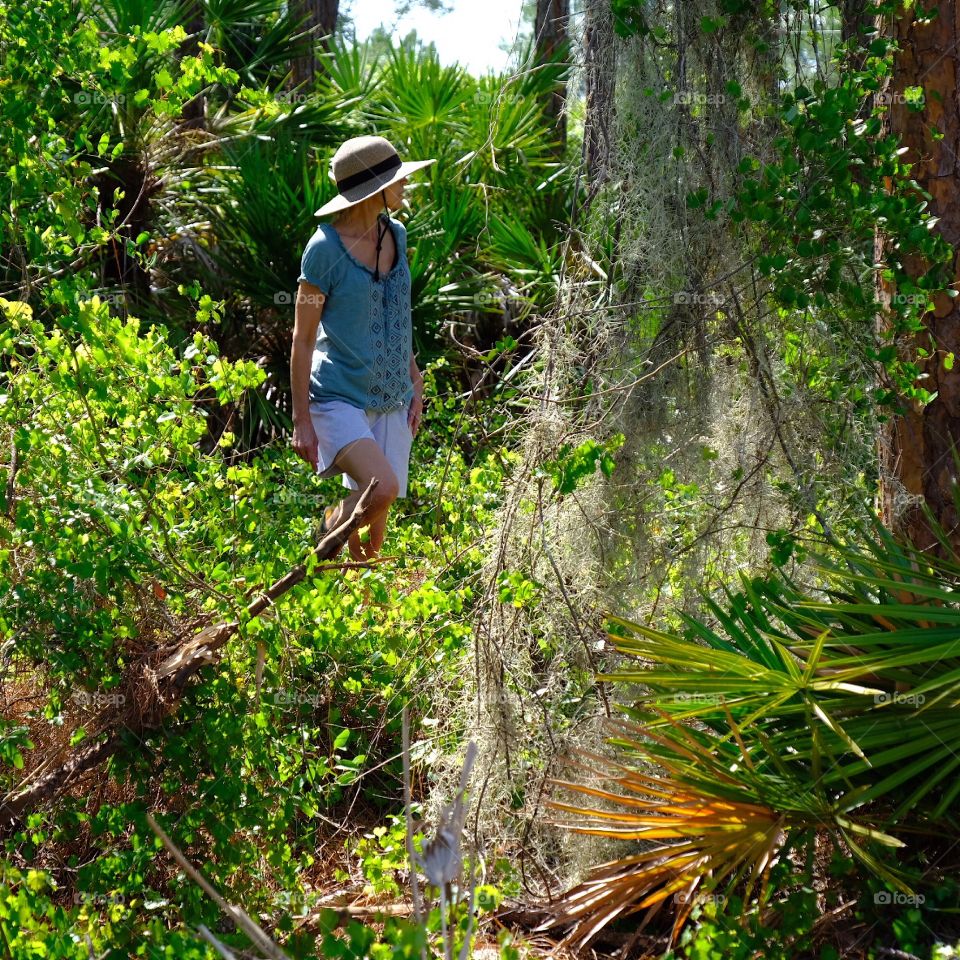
(358, 179)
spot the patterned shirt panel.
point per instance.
(365, 335)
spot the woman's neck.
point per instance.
(361, 223)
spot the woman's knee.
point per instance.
(386, 491)
(364, 460)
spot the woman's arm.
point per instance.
(307, 319)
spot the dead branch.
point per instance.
(155, 684)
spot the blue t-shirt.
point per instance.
(365, 336)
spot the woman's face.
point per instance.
(395, 194)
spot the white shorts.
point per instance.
(338, 423)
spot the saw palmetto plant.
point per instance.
(800, 712)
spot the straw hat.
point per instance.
(361, 167)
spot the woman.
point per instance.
(357, 392)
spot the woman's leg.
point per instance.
(363, 460)
(378, 532)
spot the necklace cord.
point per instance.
(380, 236)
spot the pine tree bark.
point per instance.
(600, 69)
(320, 16)
(550, 31)
(918, 449)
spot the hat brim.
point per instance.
(350, 197)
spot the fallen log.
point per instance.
(155, 683)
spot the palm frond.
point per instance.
(515, 250)
(351, 69)
(828, 708)
(258, 38)
(423, 103)
(712, 843)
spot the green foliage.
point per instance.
(34, 927)
(126, 512)
(833, 182)
(629, 19)
(724, 928)
(105, 421)
(383, 857)
(834, 170)
(574, 464)
(143, 494)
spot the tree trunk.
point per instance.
(600, 66)
(550, 31)
(132, 176)
(320, 17)
(854, 21)
(918, 448)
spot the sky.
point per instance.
(470, 34)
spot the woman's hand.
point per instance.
(305, 441)
(415, 414)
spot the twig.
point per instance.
(12, 476)
(215, 943)
(243, 921)
(465, 947)
(566, 599)
(408, 813)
